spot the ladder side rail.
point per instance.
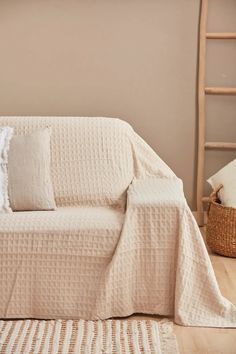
(201, 109)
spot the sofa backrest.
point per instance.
(91, 158)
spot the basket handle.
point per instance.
(213, 197)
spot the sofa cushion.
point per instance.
(92, 162)
(64, 220)
(53, 255)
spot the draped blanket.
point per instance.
(99, 262)
(160, 264)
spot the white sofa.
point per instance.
(122, 240)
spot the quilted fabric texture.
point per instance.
(98, 262)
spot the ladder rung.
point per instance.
(220, 90)
(220, 145)
(205, 199)
(221, 35)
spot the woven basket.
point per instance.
(221, 227)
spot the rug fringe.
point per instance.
(169, 344)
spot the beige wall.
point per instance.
(133, 59)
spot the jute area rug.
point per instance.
(87, 337)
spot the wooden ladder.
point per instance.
(202, 92)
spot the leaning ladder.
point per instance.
(202, 92)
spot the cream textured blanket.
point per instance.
(96, 262)
(160, 264)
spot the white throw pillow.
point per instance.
(5, 136)
(30, 186)
(227, 177)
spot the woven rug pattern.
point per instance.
(87, 337)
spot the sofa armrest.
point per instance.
(156, 191)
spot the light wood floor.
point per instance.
(195, 340)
